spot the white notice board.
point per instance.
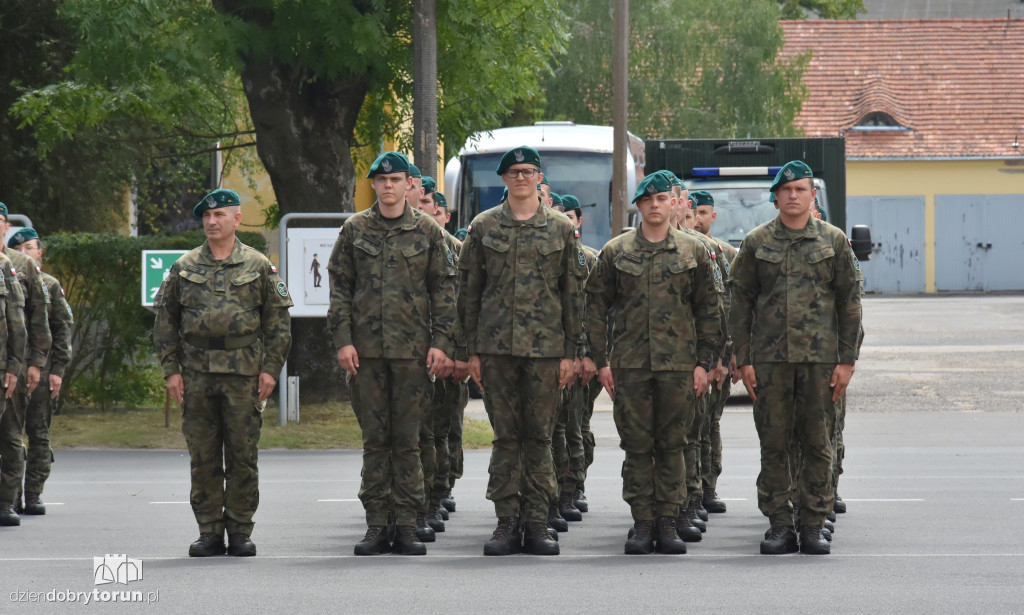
(309, 249)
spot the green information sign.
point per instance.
(156, 264)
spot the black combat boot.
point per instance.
(424, 532)
(696, 502)
(434, 519)
(830, 526)
(812, 542)
(443, 513)
(406, 542)
(840, 505)
(33, 504)
(555, 519)
(566, 508)
(668, 540)
(7, 515)
(579, 499)
(506, 538)
(537, 540)
(711, 502)
(831, 515)
(641, 538)
(448, 501)
(691, 513)
(240, 545)
(207, 545)
(375, 542)
(827, 535)
(778, 540)
(19, 508)
(686, 530)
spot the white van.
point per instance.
(576, 159)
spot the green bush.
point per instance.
(113, 364)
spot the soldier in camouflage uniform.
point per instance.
(393, 319)
(13, 341)
(12, 423)
(795, 318)
(222, 333)
(686, 220)
(721, 377)
(656, 285)
(520, 303)
(40, 405)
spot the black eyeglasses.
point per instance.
(527, 173)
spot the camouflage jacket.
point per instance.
(61, 320)
(795, 296)
(590, 254)
(392, 286)
(37, 305)
(720, 269)
(13, 334)
(661, 302)
(206, 306)
(520, 286)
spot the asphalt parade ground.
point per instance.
(934, 483)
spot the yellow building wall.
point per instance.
(929, 178)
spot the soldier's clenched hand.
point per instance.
(700, 381)
(604, 376)
(55, 382)
(10, 382)
(348, 359)
(840, 380)
(266, 386)
(587, 370)
(33, 378)
(749, 378)
(475, 371)
(566, 372)
(176, 388)
(437, 362)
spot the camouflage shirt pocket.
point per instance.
(192, 288)
(630, 268)
(246, 288)
(496, 252)
(821, 263)
(550, 261)
(677, 275)
(770, 253)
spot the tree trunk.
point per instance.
(424, 106)
(304, 132)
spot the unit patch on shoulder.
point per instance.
(582, 258)
(718, 275)
(451, 257)
(282, 289)
(67, 306)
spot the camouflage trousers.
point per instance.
(838, 448)
(794, 408)
(591, 391)
(567, 439)
(221, 420)
(37, 431)
(390, 399)
(521, 397)
(456, 399)
(12, 446)
(694, 486)
(711, 436)
(652, 411)
(434, 433)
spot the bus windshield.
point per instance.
(588, 176)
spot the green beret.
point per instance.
(3, 209)
(651, 185)
(791, 171)
(440, 200)
(702, 197)
(524, 154)
(215, 200)
(414, 171)
(504, 194)
(556, 199)
(545, 181)
(429, 185)
(389, 162)
(570, 202)
(692, 200)
(460, 234)
(25, 234)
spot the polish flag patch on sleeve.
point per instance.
(273, 269)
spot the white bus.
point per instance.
(576, 159)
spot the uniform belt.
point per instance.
(222, 343)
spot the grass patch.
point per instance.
(323, 426)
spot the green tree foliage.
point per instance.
(113, 361)
(825, 9)
(696, 69)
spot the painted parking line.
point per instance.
(883, 499)
(341, 500)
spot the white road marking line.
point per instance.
(733, 499)
(1017, 499)
(342, 500)
(883, 499)
(168, 502)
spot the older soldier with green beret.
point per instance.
(721, 377)
(12, 423)
(656, 286)
(393, 318)
(40, 404)
(795, 319)
(222, 334)
(520, 303)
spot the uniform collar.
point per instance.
(408, 218)
(781, 231)
(206, 254)
(539, 219)
(642, 243)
